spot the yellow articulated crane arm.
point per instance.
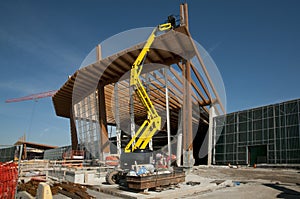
(153, 122)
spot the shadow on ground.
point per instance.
(285, 192)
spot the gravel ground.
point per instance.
(253, 183)
(249, 174)
(244, 182)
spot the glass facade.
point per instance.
(87, 124)
(268, 134)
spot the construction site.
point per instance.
(149, 121)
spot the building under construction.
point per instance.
(105, 112)
(263, 135)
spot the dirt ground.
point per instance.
(252, 183)
(219, 182)
(249, 174)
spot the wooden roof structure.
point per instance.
(167, 49)
(35, 145)
(190, 91)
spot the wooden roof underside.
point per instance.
(169, 48)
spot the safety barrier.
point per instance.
(8, 180)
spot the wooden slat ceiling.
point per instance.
(168, 49)
(156, 92)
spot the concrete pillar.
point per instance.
(179, 148)
(211, 131)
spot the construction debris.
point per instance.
(73, 190)
(192, 183)
(68, 189)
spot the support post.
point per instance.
(168, 118)
(212, 114)
(74, 138)
(214, 139)
(182, 21)
(186, 15)
(117, 118)
(188, 159)
(24, 152)
(132, 123)
(274, 135)
(99, 52)
(179, 139)
(104, 142)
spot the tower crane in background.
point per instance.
(32, 97)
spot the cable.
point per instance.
(31, 119)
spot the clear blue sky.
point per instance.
(255, 44)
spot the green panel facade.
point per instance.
(269, 134)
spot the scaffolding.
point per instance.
(268, 134)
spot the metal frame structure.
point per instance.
(274, 127)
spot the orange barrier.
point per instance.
(8, 180)
(112, 160)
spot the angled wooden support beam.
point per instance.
(201, 81)
(105, 148)
(204, 101)
(204, 68)
(102, 120)
(74, 139)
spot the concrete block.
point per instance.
(44, 191)
(75, 177)
(89, 177)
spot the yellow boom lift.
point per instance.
(153, 122)
(134, 152)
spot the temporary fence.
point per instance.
(7, 153)
(8, 180)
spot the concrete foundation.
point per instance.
(92, 177)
